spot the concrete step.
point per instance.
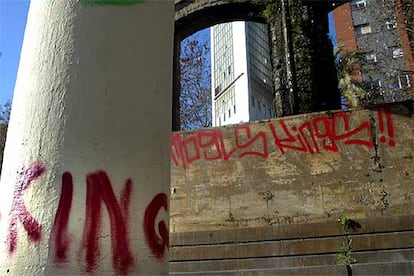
(296, 247)
(297, 262)
(291, 231)
(381, 246)
(378, 269)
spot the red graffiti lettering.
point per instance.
(306, 126)
(324, 129)
(323, 132)
(99, 189)
(207, 144)
(210, 145)
(320, 133)
(390, 128)
(60, 226)
(126, 199)
(157, 244)
(208, 139)
(288, 141)
(18, 210)
(244, 131)
(348, 134)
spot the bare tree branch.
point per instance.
(195, 97)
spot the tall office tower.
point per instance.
(377, 29)
(241, 73)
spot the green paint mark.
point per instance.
(112, 2)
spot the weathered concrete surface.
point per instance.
(297, 169)
(76, 199)
(380, 246)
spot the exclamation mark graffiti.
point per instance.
(387, 123)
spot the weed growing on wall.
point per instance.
(344, 256)
(345, 251)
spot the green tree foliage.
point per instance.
(4, 122)
(195, 96)
(347, 67)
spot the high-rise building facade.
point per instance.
(377, 30)
(241, 73)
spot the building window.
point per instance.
(389, 24)
(234, 109)
(229, 113)
(397, 52)
(371, 57)
(363, 29)
(217, 90)
(400, 82)
(404, 81)
(359, 4)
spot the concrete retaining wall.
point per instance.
(299, 169)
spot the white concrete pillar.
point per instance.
(85, 180)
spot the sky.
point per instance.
(13, 14)
(332, 33)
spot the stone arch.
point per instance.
(192, 16)
(298, 81)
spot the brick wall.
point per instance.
(404, 24)
(344, 27)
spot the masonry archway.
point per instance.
(304, 76)
(192, 16)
